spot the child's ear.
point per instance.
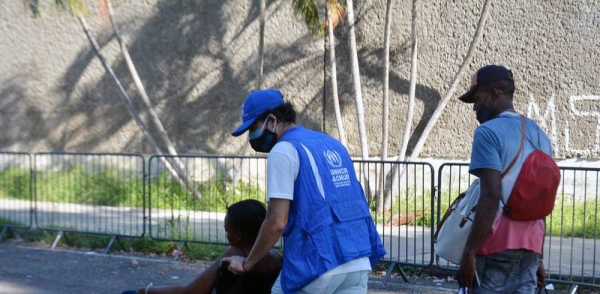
(237, 235)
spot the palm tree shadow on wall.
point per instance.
(371, 68)
(428, 96)
(12, 109)
(186, 57)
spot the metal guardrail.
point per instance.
(570, 256)
(16, 203)
(401, 195)
(188, 195)
(453, 178)
(90, 193)
(186, 198)
(405, 224)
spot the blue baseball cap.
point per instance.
(257, 103)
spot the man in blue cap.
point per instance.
(314, 201)
(502, 255)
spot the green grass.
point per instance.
(100, 242)
(217, 195)
(191, 250)
(415, 205)
(568, 219)
(574, 219)
(111, 188)
(15, 183)
(77, 185)
(8, 222)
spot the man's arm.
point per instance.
(203, 284)
(487, 207)
(541, 272)
(270, 232)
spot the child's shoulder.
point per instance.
(274, 260)
(233, 251)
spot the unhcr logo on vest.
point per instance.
(333, 158)
(339, 174)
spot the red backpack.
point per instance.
(534, 192)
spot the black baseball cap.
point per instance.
(486, 75)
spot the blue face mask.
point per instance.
(484, 114)
(257, 133)
(263, 140)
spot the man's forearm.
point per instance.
(487, 208)
(484, 219)
(270, 231)
(269, 234)
(543, 241)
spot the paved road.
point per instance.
(36, 270)
(407, 244)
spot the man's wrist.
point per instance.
(469, 253)
(246, 265)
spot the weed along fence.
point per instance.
(189, 195)
(16, 203)
(184, 199)
(571, 247)
(90, 193)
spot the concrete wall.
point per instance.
(198, 59)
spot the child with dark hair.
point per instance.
(242, 224)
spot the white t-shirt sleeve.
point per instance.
(283, 165)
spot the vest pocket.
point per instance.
(353, 237)
(350, 210)
(299, 262)
(352, 228)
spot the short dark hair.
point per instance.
(247, 216)
(284, 113)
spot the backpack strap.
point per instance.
(514, 160)
(462, 195)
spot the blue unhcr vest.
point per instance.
(323, 233)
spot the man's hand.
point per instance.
(466, 272)
(487, 210)
(236, 264)
(541, 275)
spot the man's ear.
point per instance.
(274, 120)
(272, 117)
(496, 93)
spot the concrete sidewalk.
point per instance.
(37, 270)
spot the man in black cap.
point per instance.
(502, 255)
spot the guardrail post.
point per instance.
(389, 273)
(4, 230)
(573, 289)
(113, 238)
(179, 249)
(60, 234)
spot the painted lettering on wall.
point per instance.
(547, 119)
(533, 112)
(574, 112)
